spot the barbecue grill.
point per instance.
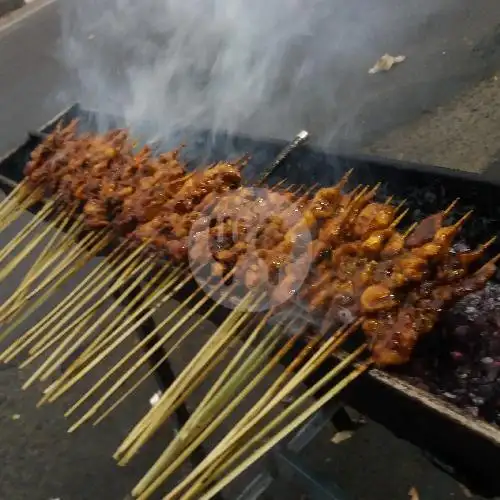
(464, 445)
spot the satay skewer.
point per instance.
(70, 333)
(164, 357)
(119, 269)
(20, 191)
(137, 348)
(21, 316)
(238, 391)
(272, 441)
(317, 358)
(164, 409)
(263, 400)
(239, 433)
(219, 340)
(20, 208)
(88, 283)
(94, 354)
(72, 320)
(51, 252)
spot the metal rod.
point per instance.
(299, 139)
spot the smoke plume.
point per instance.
(264, 67)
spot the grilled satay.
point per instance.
(412, 265)
(169, 231)
(393, 334)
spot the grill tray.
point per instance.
(465, 446)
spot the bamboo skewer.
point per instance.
(258, 453)
(133, 369)
(256, 416)
(239, 440)
(216, 360)
(219, 410)
(37, 330)
(22, 295)
(56, 357)
(56, 333)
(19, 209)
(74, 252)
(25, 252)
(148, 426)
(230, 322)
(277, 392)
(117, 337)
(111, 331)
(92, 284)
(268, 395)
(151, 335)
(213, 363)
(219, 340)
(71, 252)
(75, 344)
(49, 249)
(76, 266)
(12, 199)
(26, 231)
(146, 356)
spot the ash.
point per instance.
(461, 360)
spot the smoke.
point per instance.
(264, 67)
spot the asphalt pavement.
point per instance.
(439, 106)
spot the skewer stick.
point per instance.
(21, 297)
(160, 413)
(216, 360)
(96, 352)
(77, 342)
(410, 230)
(398, 219)
(268, 395)
(19, 209)
(450, 207)
(239, 361)
(75, 251)
(56, 358)
(96, 348)
(462, 219)
(276, 394)
(49, 247)
(223, 460)
(146, 356)
(77, 265)
(219, 340)
(56, 334)
(296, 422)
(491, 262)
(25, 251)
(105, 337)
(137, 365)
(214, 423)
(401, 205)
(37, 330)
(25, 231)
(151, 336)
(82, 294)
(13, 197)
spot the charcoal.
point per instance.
(460, 361)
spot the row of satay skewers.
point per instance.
(338, 254)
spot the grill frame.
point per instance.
(448, 435)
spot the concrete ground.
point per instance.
(438, 107)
